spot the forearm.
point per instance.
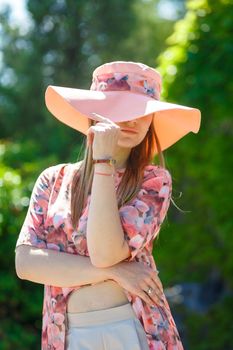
(55, 268)
(105, 236)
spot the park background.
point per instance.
(60, 42)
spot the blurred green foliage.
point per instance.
(20, 301)
(202, 165)
(63, 46)
(197, 71)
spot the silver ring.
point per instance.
(149, 291)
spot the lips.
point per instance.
(132, 131)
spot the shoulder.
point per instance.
(157, 172)
(50, 173)
(65, 171)
(157, 182)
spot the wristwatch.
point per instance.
(109, 161)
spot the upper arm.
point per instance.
(32, 231)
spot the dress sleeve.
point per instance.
(142, 217)
(33, 232)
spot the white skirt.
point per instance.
(116, 328)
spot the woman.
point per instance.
(89, 231)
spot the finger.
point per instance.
(155, 280)
(158, 282)
(99, 117)
(104, 125)
(143, 295)
(150, 283)
(90, 136)
(154, 276)
(158, 292)
(98, 127)
(91, 133)
(155, 295)
(155, 283)
(151, 300)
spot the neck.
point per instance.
(121, 156)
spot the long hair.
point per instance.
(140, 156)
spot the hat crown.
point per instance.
(126, 75)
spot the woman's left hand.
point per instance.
(137, 278)
(103, 136)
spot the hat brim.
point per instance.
(73, 107)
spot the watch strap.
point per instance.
(109, 161)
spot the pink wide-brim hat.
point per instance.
(122, 91)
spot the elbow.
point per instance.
(21, 264)
(111, 259)
(20, 272)
(100, 263)
(99, 258)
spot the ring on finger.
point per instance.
(149, 290)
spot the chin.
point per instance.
(127, 144)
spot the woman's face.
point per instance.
(138, 127)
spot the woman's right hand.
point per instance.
(103, 136)
(136, 277)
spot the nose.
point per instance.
(131, 123)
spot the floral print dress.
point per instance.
(48, 225)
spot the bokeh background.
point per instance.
(60, 42)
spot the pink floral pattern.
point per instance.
(130, 81)
(48, 225)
